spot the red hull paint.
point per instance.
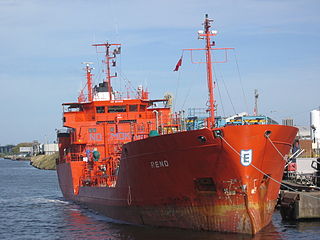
(157, 180)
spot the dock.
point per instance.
(300, 205)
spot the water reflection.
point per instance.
(80, 223)
(32, 207)
(303, 226)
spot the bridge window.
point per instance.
(142, 108)
(100, 109)
(112, 109)
(133, 108)
(92, 130)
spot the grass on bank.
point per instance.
(46, 162)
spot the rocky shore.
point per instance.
(46, 162)
(17, 158)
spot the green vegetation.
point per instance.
(16, 149)
(47, 162)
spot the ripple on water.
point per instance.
(32, 207)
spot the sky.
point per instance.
(43, 44)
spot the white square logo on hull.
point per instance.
(246, 157)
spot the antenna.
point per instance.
(256, 96)
(111, 51)
(89, 79)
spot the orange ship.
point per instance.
(139, 163)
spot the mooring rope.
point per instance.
(259, 170)
(283, 157)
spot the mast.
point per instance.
(109, 62)
(207, 34)
(89, 80)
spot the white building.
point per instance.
(304, 132)
(315, 128)
(50, 148)
(26, 150)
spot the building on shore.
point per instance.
(6, 149)
(25, 151)
(304, 141)
(315, 130)
(50, 148)
(308, 137)
(287, 122)
(37, 148)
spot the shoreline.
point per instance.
(16, 158)
(44, 162)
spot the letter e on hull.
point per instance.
(246, 157)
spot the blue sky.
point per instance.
(43, 43)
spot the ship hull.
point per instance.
(193, 180)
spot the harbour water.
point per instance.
(32, 207)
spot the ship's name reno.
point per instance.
(159, 164)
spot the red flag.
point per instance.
(178, 64)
